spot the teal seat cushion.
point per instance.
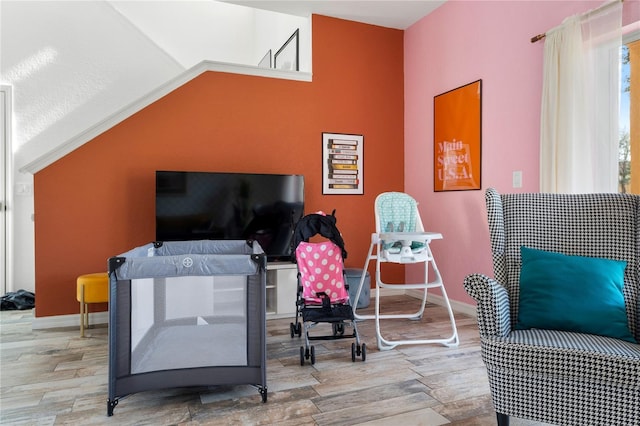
(572, 293)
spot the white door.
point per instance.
(5, 177)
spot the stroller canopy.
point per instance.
(319, 224)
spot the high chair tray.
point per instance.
(410, 236)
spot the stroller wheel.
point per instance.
(353, 352)
(313, 355)
(301, 355)
(292, 329)
(364, 352)
(299, 329)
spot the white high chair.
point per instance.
(400, 238)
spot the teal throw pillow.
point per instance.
(572, 293)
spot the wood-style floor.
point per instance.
(55, 377)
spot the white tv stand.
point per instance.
(282, 285)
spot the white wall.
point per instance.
(72, 65)
(191, 34)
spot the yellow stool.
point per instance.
(92, 288)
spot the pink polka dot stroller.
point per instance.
(322, 295)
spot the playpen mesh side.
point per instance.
(187, 322)
(194, 322)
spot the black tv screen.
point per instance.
(230, 206)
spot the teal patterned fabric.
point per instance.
(396, 212)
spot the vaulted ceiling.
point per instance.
(399, 14)
(67, 89)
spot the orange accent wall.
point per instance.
(98, 201)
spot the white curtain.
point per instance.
(580, 103)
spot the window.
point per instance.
(629, 143)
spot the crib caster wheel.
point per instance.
(353, 352)
(313, 355)
(301, 355)
(263, 393)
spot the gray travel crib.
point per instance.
(187, 313)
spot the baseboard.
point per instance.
(384, 292)
(71, 320)
(459, 307)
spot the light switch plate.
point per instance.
(517, 179)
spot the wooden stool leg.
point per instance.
(81, 319)
(83, 309)
(86, 316)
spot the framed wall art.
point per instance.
(265, 62)
(287, 57)
(457, 138)
(342, 165)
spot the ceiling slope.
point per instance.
(399, 14)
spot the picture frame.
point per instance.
(342, 163)
(287, 57)
(457, 138)
(266, 61)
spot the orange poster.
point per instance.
(457, 135)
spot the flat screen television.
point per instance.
(218, 206)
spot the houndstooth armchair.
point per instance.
(555, 376)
